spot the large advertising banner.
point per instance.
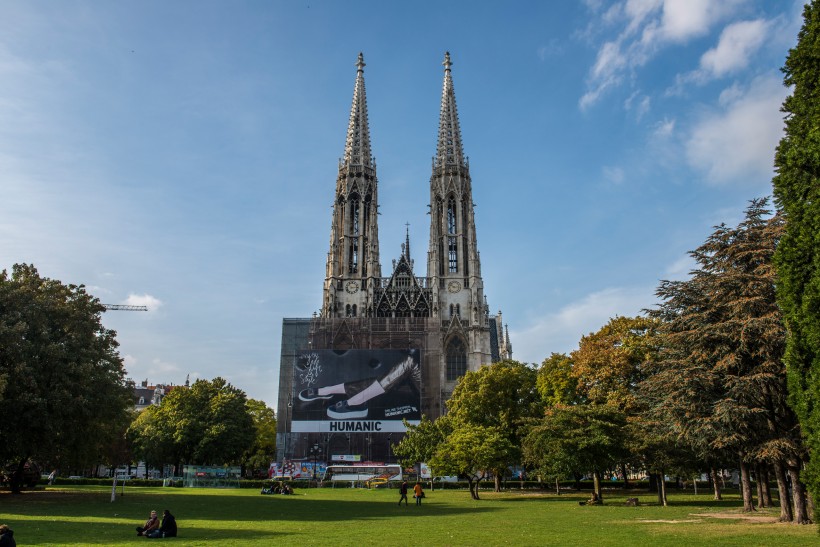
(356, 391)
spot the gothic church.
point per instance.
(444, 316)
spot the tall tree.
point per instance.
(797, 194)
(501, 396)
(61, 376)
(577, 439)
(720, 384)
(207, 424)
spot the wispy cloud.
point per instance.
(561, 331)
(647, 27)
(737, 139)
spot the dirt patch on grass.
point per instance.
(665, 521)
(733, 515)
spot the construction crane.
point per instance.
(124, 307)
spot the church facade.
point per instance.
(387, 348)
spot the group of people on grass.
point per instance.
(418, 493)
(280, 488)
(153, 529)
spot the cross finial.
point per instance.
(360, 63)
(447, 63)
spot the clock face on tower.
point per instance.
(454, 286)
(352, 287)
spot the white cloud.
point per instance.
(664, 128)
(738, 140)
(685, 19)
(737, 43)
(147, 300)
(561, 331)
(648, 27)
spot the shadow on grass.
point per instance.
(76, 517)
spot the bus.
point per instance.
(363, 473)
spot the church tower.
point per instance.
(353, 269)
(453, 264)
(385, 351)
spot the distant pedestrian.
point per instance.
(51, 477)
(418, 493)
(403, 492)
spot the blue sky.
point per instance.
(183, 155)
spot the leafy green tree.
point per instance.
(797, 194)
(470, 452)
(719, 384)
(555, 382)
(61, 377)
(576, 439)
(263, 450)
(502, 396)
(210, 423)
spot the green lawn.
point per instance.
(85, 516)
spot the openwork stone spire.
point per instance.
(357, 146)
(449, 151)
(353, 268)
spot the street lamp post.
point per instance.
(315, 450)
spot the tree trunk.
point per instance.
(767, 491)
(474, 489)
(715, 484)
(626, 478)
(496, 482)
(783, 492)
(801, 512)
(17, 477)
(761, 497)
(661, 482)
(746, 488)
(596, 484)
(557, 486)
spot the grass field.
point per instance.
(84, 515)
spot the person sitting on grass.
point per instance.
(150, 525)
(168, 529)
(6, 537)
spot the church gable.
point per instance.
(403, 294)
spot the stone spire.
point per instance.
(449, 151)
(357, 145)
(353, 267)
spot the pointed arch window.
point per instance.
(354, 215)
(353, 258)
(456, 359)
(452, 244)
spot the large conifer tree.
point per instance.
(797, 194)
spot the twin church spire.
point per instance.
(353, 283)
